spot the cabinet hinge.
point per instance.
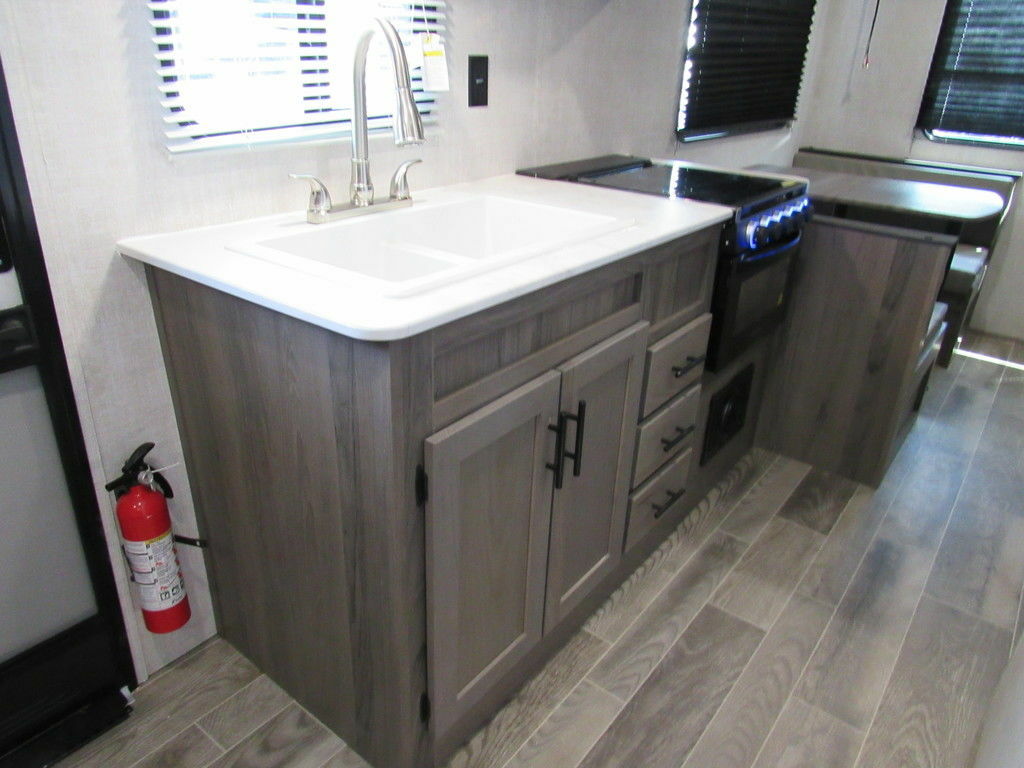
(424, 707)
(421, 485)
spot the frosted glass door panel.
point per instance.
(44, 584)
(10, 293)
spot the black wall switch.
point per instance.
(478, 81)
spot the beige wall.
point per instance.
(874, 111)
(568, 79)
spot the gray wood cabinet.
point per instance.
(488, 519)
(303, 449)
(588, 518)
(510, 548)
(844, 377)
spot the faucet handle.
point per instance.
(399, 183)
(319, 197)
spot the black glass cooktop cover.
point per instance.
(712, 186)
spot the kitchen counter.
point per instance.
(204, 255)
(920, 198)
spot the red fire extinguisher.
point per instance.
(148, 543)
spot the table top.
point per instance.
(923, 198)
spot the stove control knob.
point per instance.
(791, 224)
(776, 231)
(755, 235)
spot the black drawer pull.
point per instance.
(668, 444)
(678, 371)
(673, 497)
(558, 467)
(580, 417)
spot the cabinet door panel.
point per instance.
(589, 512)
(488, 519)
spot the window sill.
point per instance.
(973, 140)
(688, 137)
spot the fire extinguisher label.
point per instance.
(156, 572)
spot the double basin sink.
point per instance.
(414, 250)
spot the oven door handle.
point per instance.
(763, 257)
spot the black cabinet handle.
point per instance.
(580, 417)
(678, 371)
(669, 443)
(673, 497)
(558, 467)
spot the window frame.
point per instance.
(418, 16)
(799, 36)
(937, 69)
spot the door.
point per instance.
(488, 516)
(600, 404)
(63, 650)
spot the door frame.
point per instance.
(106, 630)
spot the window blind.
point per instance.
(976, 83)
(242, 72)
(743, 65)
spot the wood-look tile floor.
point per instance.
(794, 619)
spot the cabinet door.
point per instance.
(588, 515)
(488, 519)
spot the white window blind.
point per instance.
(243, 72)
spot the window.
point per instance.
(743, 65)
(242, 72)
(975, 89)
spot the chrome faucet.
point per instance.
(408, 129)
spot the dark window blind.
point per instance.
(976, 84)
(743, 65)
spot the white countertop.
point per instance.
(203, 255)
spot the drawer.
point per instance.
(675, 362)
(666, 433)
(657, 497)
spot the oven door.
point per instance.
(750, 299)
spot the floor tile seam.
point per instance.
(1014, 639)
(642, 609)
(772, 516)
(860, 564)
(192, 654)
(620, 706)
(917, 608)
(253, 730)
(746, 664)
(584, 677)
(217, 744)
(874, 530)
(334, 754)
(846, 505)
(697, 547)
(835, 611)
(677, 638)
(793, 592)
(157, 748)
(796, 681)
(224, 701)
(967, 611)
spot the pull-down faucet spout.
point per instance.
(408, 127)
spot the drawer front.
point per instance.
(657, 497)
(666, 433)
(675, 362)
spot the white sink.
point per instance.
(413, 250)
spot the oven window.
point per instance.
(760, 295)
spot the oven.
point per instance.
(758, 247)
(753, 278)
